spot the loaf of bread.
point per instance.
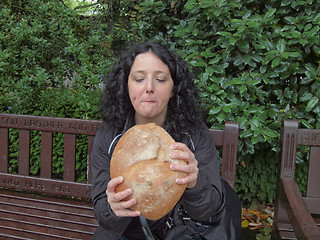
(142, 157)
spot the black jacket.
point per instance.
(201, 202)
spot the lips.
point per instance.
(148, 101)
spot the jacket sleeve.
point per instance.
(204, 201)
(100, 161)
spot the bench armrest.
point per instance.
(300, 218)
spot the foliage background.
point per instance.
(256, 62)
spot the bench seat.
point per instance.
(33, 216)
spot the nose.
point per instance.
(150, 86)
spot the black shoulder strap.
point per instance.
(146, 229)
(113, 142)
(116, 138)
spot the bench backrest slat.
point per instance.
(217, 135)
(70, 157)
(313, 190)
(46, 155)
(228, 140)
(90, 145)
(4, 149)
(24, 152)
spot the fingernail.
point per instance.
(171, 146)
(171, 167)
(120, 179)
(171, 155)
(129, 191)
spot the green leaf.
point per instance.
(290, 54)
(232, 40)
(245, 134)
(305, 124)
(243, 44)
(225, 34)
(246, 15)
(272, 113)
(276, 62)
(199, 62)
(214, 110)
(312, 32)
(281, 46)
(207, 54)
(270, 13)
(255, 122)
(236, 81)
(229, 106)
(218, 69)
(214, 60)
(253, 82)
(190, 4)
(291, 20)
(306, 96)
(257, 58)
(270, 133)
(242, 89)
(247, 58)
(221, 117)
(312, 103)
(256, 139)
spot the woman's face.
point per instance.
(150, 88)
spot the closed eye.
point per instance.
(139, 80)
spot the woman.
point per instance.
(151, 83)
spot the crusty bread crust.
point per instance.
(142, 157)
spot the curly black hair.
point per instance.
(184, 109)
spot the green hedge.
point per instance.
(256, 62)
(51, 64)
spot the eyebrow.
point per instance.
(157, 72)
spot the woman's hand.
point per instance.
(191, 168)
(118, 204)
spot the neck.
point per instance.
(158, 121)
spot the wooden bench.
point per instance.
(43, 207)
(295, 215)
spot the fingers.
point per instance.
(112, 187)
(122, 208)
(191, 179)
(191, 168)
(184, 154)
(127, 213)
(113, 183)
(120, 202)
